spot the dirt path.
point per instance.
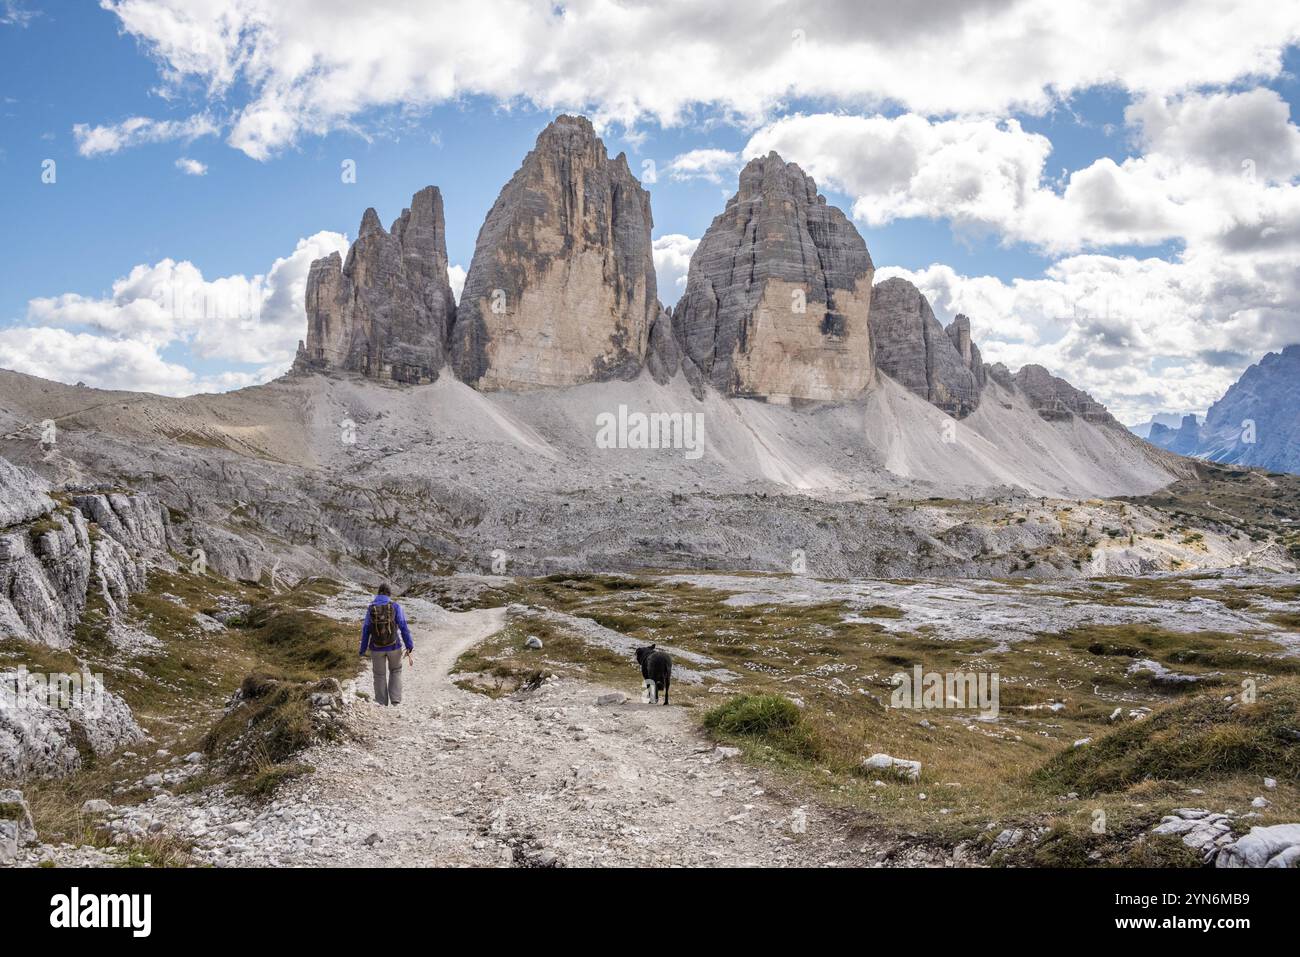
(456, 778)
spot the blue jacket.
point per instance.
(399, 617)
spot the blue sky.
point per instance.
(1023, 195)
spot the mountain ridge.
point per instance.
(779, 304)
(1256, 422)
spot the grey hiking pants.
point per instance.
(388, 675)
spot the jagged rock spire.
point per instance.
(387, 310)
(911, 347)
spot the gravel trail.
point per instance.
(547, 778)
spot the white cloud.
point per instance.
(705, 164)
(672, 256)
(456, 277)
(137, 130)
(1142, 335)
(294, 68)
(1248, 133)
(974, 172)
(231, 319)
(15, 14)
(987, 177)
(191, 167)
(103, 362)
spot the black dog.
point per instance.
(656, 667)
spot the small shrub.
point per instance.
(765, 718)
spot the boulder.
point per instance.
(16, 817)
(1275, 846)
(778, 294)
(911, 770)
(561, 289)
(22, 495)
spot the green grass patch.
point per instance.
(767, 719)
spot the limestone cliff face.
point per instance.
(64, 554)
(959, 332)
(941, 366)
(778, 294)
(561, 289)
(386, 311)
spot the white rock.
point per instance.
(16, 828)
(1276, 846)
(1008, 837)
(911, 770)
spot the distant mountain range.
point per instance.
(1171, 420)
(1257, 422)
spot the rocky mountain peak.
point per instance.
(561, 289)
(387, 309)
(942, 366)
(369, 223)
(1256, 422)
(778, 293)
(1056, 400)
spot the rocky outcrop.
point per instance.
(88, 546)
(663, 355)
(45, 571)
(911, 347)
(24, 497)
(778, 294)
(959, 333)
(1168, 420)
(1056, 400)
(561, 289)
(44, 735)
(387, 311)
